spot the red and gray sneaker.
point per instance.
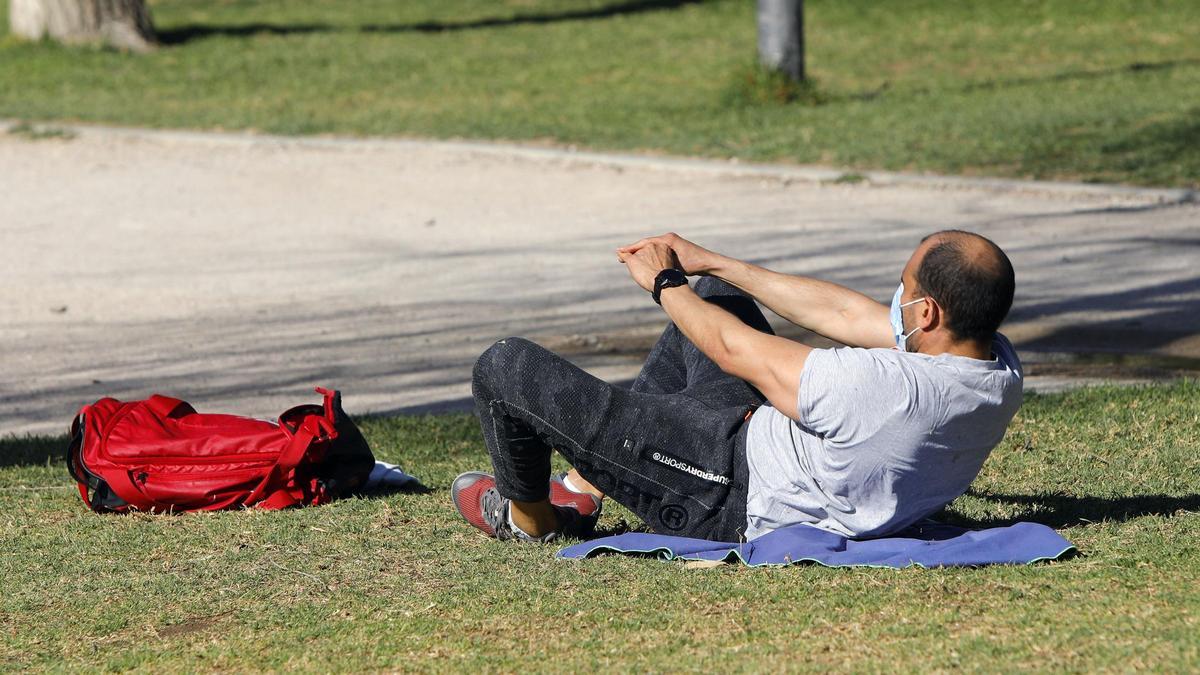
(586, 504)
(477, 500)
(467, 492)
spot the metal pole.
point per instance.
(781, 36)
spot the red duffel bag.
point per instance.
(161, 455)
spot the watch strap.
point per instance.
(668, 278)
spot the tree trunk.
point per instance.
(124, 24)
(781, 36)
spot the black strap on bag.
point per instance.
(348, 460)
(102, 497)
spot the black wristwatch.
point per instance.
(668, 278)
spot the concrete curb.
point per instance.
(732, 168)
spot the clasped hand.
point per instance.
(647, 261)
(646, 258)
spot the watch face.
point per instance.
(671, 277)
(668, 278)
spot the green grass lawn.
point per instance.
(1093, 90)
(399, 582)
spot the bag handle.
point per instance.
(332, 402)
(312, 429)
(164, 406)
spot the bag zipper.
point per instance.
(140, 477)
(246, 458)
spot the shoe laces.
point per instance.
(494, 510)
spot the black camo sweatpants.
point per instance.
(671, 448)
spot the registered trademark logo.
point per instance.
(673, 517)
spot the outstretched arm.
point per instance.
(826, 308)
(768, 362)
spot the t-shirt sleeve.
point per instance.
(840, 389)
(1006, 353)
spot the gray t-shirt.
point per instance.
(885, 438)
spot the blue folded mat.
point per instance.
(928, 544)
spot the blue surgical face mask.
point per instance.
(898, 319)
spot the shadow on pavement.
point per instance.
(1166, 314)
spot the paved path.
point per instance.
(239, 271)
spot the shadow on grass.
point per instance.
(414, 488)
(1078, 75)
(1060, 511)
(32, 450)
(1137, 67)
(1148, 151)
(1175, 141)
(186, 33)
(200, 31)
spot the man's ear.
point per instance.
(930, 316)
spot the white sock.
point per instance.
(571, 486)
(388, 475)
(516, 530)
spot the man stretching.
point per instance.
(730, 431)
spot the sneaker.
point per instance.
(588, 505)
(467, 492)
(477, 500)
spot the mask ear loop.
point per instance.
(904, 338)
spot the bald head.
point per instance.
(970, 278)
